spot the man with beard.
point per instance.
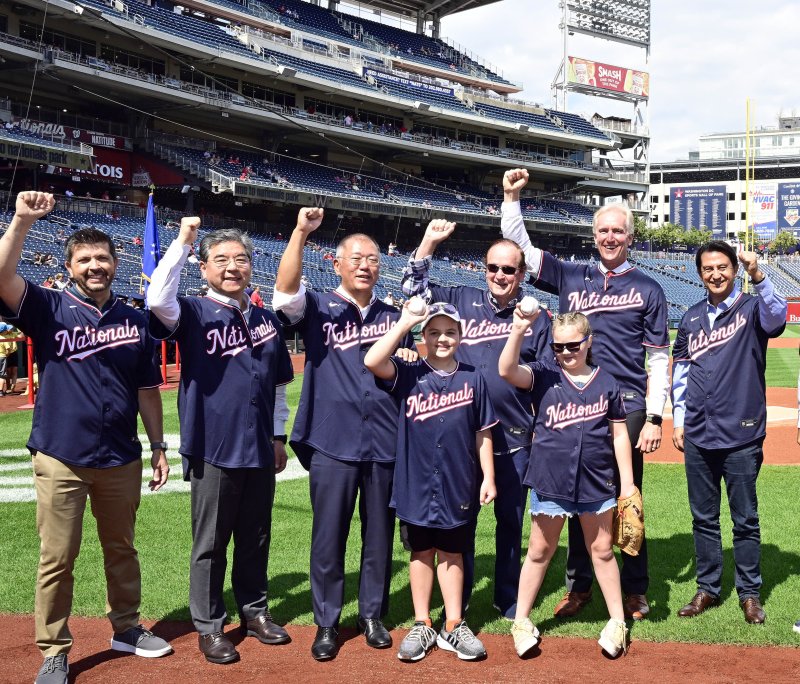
(95, 352)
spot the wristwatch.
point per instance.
(280, 438)
(654, 419)
(154, 446)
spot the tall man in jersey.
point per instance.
(345, 430)
(720, 417)
(628, 313)
(97, 370)
(233, 411)
(487, 317)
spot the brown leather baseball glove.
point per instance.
(629, 523)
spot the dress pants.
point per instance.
(229, 502)
(634, 575)
(61, 491)
(334, 487)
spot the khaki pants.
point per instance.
(61, 492)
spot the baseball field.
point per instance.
(718, 646)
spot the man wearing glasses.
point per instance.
(487, 316)
(233, 411)
(345, 430)
(721, 347)
(628, 313)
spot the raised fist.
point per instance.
(188, 231)
(309, 219)
(32, 205)
(514, 180)
(439, 230)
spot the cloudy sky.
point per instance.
(707, 58)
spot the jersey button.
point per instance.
(365, 417)
(441, 420)
(435, 471)
(438, 446)
(253, 402)
(366, 394)
(363, 370)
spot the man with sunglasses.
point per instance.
(721, 347)
(345, 430)
(233, 410)
(487, 316)
(629, 315)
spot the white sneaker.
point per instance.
(614, 638)
(462, 641)
(417, 643)
(526, 636)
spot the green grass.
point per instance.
(163, 540)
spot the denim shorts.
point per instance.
(548, 505)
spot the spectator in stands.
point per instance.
(48, 282)
(69, 194)
(59, 283)
(8, 358)
(105, 195)
(487, 317)
(392, 250)
(49, 260)
(255, 296)
(628, 313)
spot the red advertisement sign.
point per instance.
(608, 77)
(59, 133)
(793, 314)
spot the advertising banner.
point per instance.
(59, 133)
(789, 207)
(699, 207)
(793, 314)
(392, 78)
(608, 77)
(762, 208)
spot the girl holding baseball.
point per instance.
(580, 445)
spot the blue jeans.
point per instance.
(739, 467)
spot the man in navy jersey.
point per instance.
(487, 316)
(720, 417)
(628, 313)
(97, 370)
(345, 430)
(233, 411)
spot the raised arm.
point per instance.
(509, 366)
(162, 294)
(30, 207)
(414, 280)
(287, 280)
(511, 221)
(377, 358)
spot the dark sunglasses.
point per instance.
(440, 308)
(508, 270)
(571, 347)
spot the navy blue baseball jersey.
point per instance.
(231, 363)
(437, 473)
(485, 331)
(92, 363)
(572, 456)
(731, 354)
(628, 313)
(343, 412)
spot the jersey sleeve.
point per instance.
(616, 404)
(656, 319)
(302, 323)
(285, 372)
(484, 409)
(162, 332)
(29, 318)
(550, 277)
(148, 373)
(680, 350)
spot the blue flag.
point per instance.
(151, 253)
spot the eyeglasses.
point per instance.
(441, 308)
(356, 260)
(240, 260)
(508, 270)
(571, 347)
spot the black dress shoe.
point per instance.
(377, 635)
(265, 630)
(325, 646)
(217, 648)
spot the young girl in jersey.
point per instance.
(580, 445)
(444, 443)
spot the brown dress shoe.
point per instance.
(217, 648)
(753, 612)
(265, 630)
(699, 604)
(572, 603)
(636, 606)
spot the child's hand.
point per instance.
(488, 492)
(414, 312)
(523, 321)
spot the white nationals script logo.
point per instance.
(561, 416)
(420, 408)
(592, 302)
(87, 340)
(230, 340)
(263, 332)
(352, 335)
(476, 332)
(701, 343)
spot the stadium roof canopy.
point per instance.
(410, 8)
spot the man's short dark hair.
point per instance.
(87, 236)
(716, 246)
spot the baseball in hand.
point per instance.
(416, 306)
(528, 305)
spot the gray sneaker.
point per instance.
(462, 642)
(140, 642)
(417, 643)
(54, 670)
